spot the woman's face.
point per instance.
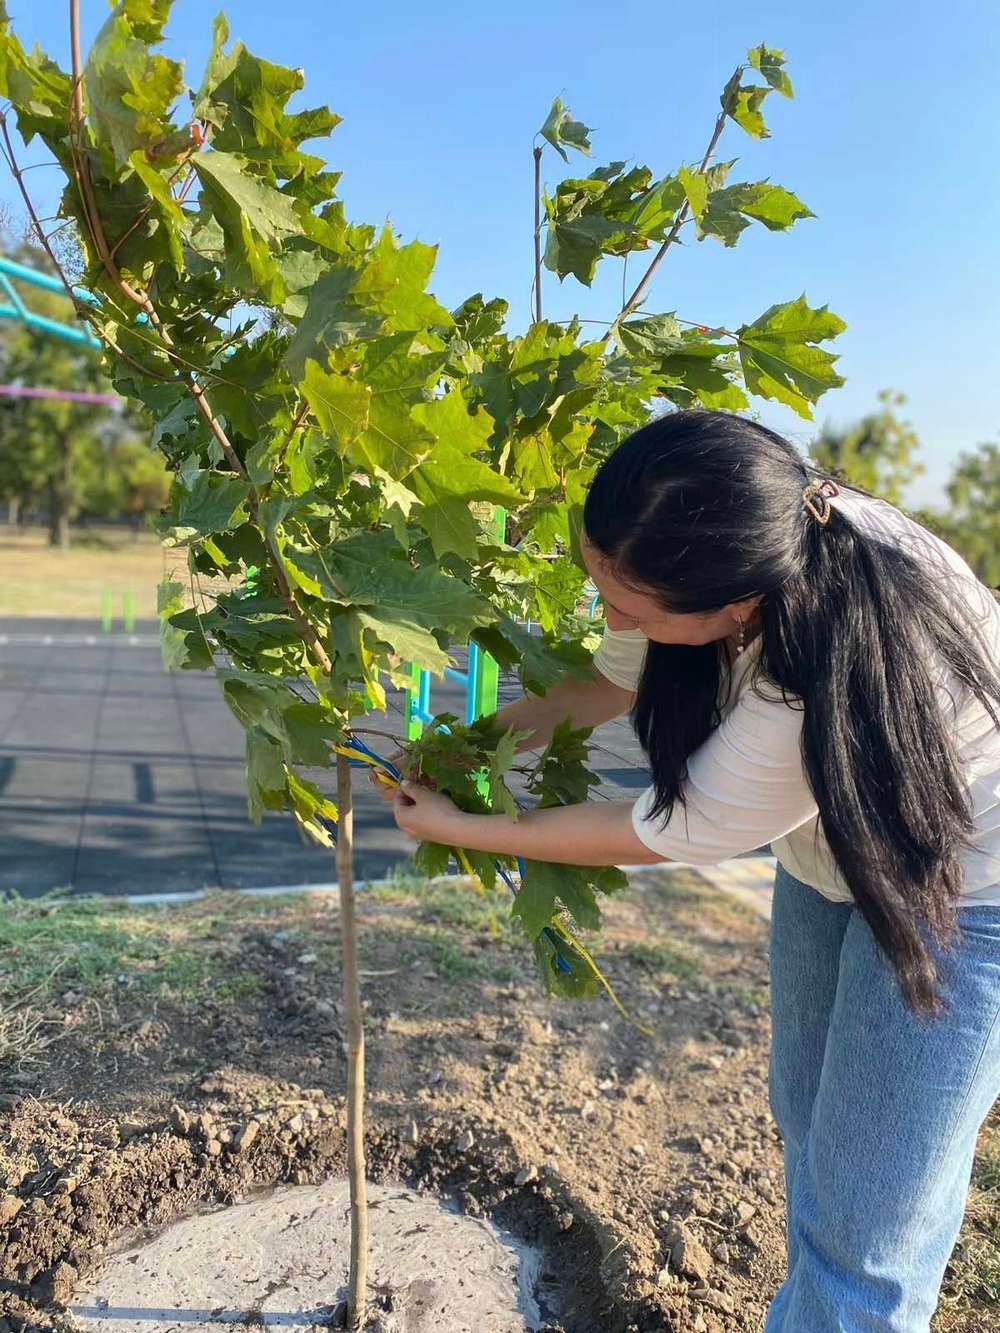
(624, 608)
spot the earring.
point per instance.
(741, 636)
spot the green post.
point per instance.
(487, 678)
(128, 610)
(106, 611)
(413, 726)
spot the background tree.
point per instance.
(971, 522)
(879, 452)
(67, 457)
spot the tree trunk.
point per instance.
(60, 499)
(354, 1024)
(13, 510)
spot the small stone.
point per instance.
(464, 1141)
(311, 1114)
(744, 1213)
(731, 1169)
(180, 1120)
(225, 1136)
(206, 1123)
(436, 1076)
(526, 1175)
(638, 1149)
(10, 1206)
(213, 1148)
(306, 958)
(701, 1204)
(566, 1221)
(245, 1137)
(699, 1325)
(687, 1254)
(296, 1124)
(414, 1132)
(721, 1252)
(665, 1278)
(706, 1145)
(719, 1300)
(55, 1284)
(129, 1130)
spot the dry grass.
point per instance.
(38, 580)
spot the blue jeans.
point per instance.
(879, 1112)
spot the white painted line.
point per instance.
(80, 640)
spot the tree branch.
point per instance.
(640, 291)
(538, 234)
(309, 634)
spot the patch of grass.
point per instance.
(454, 962)
(973, 1278)
(40, 580)
(242, 986)
(51, 945)
(663, 956)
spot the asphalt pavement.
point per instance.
(118, 777)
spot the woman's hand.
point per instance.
(428, 816)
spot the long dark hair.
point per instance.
(702, 509)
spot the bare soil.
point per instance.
(646, 1165)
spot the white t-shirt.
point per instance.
(746, 784)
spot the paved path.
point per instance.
(116, 777)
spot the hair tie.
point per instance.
(816, 499)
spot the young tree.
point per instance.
(339, 445)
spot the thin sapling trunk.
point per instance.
(355, 1031)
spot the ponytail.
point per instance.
(705, 509)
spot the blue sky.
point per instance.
(890, 140)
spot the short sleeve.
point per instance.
(746, 786)
(620, 655)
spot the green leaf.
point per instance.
(331, 319)
(128, 90)
(265, 774)
(728, 208)
(695, 188)
(769, 62)
(451, 476)
(407, 641)
(212, 503)
(394, 282)
(363, 572)
(745, 110)
(501, 759)
(341, 404)
(593, 217)
(780, 359)
(560, 128)
(546, 888)
(254, 218)
(653, 335)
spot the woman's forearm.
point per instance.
(586, 702)
(590, 834)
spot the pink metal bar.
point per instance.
(64, 395)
